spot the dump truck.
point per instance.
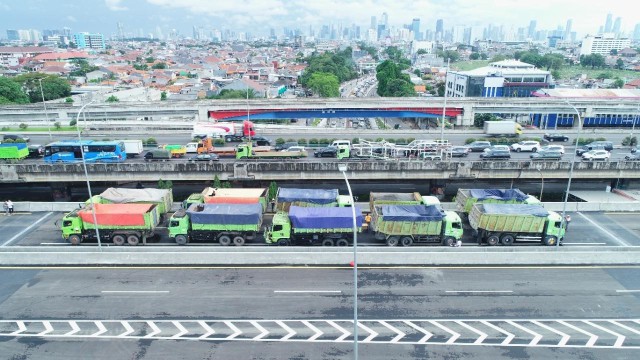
(409, 224)
(466, 198)
(287, 197)
(13, 152)
(377, 199)
(309, 226)
(205, 146)
(246, 151)
(118, 223)
(163, 198)
(505, 224)
(225, 223)
(228, 196)
(177, 151)
(133, 148)
(502, 128)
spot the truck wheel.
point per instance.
(507, 239)
(75, 239)
(493, 240)
(392, 241)
(118, 240)
(550, 240)
(133, 240)
(182, 240)
(449, 241)
(283, 242)
(406, 241)
(342, 242)
(238, 241)
(327, 242)
(224, 240)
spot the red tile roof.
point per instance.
(61, 56)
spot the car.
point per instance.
(532, 146)
(495, 154)
(15, 137)
(551, 137)
(233, 138)
(596, 145)
(295, 148)
(35, 151)
(478, 146)
(546, 155)
(498, 147)
(205, 157)
(397, 126)
(460, 151)
(592, 155)
(286, 145)
(328, 151)
(632, 157)
(559, 148)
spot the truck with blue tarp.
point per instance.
(13, 152)
(505, 224)
(326, 226)
(409, 224)
(466, 198)
(225, 223)
(287, 197)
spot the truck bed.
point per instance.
(515, 218)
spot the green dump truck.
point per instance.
(409, 224)
(119, 223)
(228, 196)
(224, 223)
(378, 199)
(245, 151)
(466, 198)
(326, 226)
(505, 224)
(13, 152)
(163, 198)
(287, 197)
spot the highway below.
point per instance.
(306, 313)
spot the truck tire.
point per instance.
(493, 240)
(342, 242)
(133, 240)
(406, 241)
(448, 241)
(224, 240)
(75, 239)
(238, 241)
(392, 241)
(182, 240)
(118, 240)
(507, 239)
(550, 240)
(327, 242)
(283, 242)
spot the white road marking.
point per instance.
(565, 337)
(207, 328)
(592, 338)
(155, 329)
(236, 331)
(263, 331)
(180, 328)
(18, 235)
(536, 337)
(128, 329)
(454, 335)
(427, 335)
(616, 239)
(400, 333)
(317, 331)
(624, 327)
(307, 291)
(509, 337)
(372, 334)
(47, 328)
(480, 291)
(627, 291)
(101, 329)
(620, 337)
(21, 328)
(345, 333)
(75, 328)
(289, 330)
(482, 336)
(49, 244)
(584, 243)
(135, 291)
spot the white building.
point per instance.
(421, 45)
(603, 44)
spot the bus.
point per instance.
(67, 151)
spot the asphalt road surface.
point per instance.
(306, 313)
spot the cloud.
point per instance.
(114, 5)
(72, 18)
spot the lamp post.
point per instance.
(86, 174)
(343, 169)
(44, 103)
(573, 161)
(541, 182)
(444, 108)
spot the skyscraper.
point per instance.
(385, 19)
(617, 25)
(374, 23)
(532, 29)
(636, 32)
(607, 25)
(439, 30)
(567, 30)
(415, 27)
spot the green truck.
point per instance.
(379, 198)
(245, 151)
(309, 226)
(163, 198)
(409, 224)
(287, 197)
(224, 223)
(228, 196)
(13, 152)
(466, 198)
(118, 223)
(505, 224)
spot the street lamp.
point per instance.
(86, 174)
(444, 108)
(541, 182)
(573, 161)
(343, 169)
(44, 103)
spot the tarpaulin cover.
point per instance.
(231, 200)
(412, 213)
(393, 197)
(324, 217)
(498, 194)
(314, 196)
(509, 209)
(116, 214)
(241, 192)
(236, 214)
(120, 195)
(16, 145)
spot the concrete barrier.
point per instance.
(369, 256)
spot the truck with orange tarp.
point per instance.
(228, 196)
(116, 223)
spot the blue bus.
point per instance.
(67, 151)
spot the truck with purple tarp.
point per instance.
(326, 226)
(224, 223)
(466, 198)
(287, 197)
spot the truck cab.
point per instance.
(179, 225)
(344, 201)
(452, 225)
(554, 228)
(344, 151)
(280, 231)
(243, 151)
(195, 198)
(71, 224)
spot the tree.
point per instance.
(417, 72)
(112, 99)
(613, 52)
(82, 67)
(149, 60)
(452, 55)
(69, 100)
(163, 96)
(53, 87)
(325, 84)
(165, 184)
(141, 67)
(479, 119)
(160, 65)
(234, 94)
(497, 58)
(421, 52)
(273, 190)
(474, 56)
(11, 93)
(484, 56)
(617, 83)
(619, 64)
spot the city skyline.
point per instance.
(259, 16)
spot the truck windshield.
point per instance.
(277, 227)
(173, 223)
(456, 225)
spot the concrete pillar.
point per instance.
(467, 115)
(202, 114)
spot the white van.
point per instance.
(336, 143)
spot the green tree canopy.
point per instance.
(474, 56)
(339, 64)
(234, 94)
(11, 93)
(392, 82)
(112, 99)
(325, 84)
(619, 64)
(82, 67)
(53, 87)
(159, 65)
(452, 55)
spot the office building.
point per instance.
(617, 25)
(603, 44)
(609, 23)
(439, 30)
(415, 27)
(87, 40)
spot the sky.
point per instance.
(258, 16)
